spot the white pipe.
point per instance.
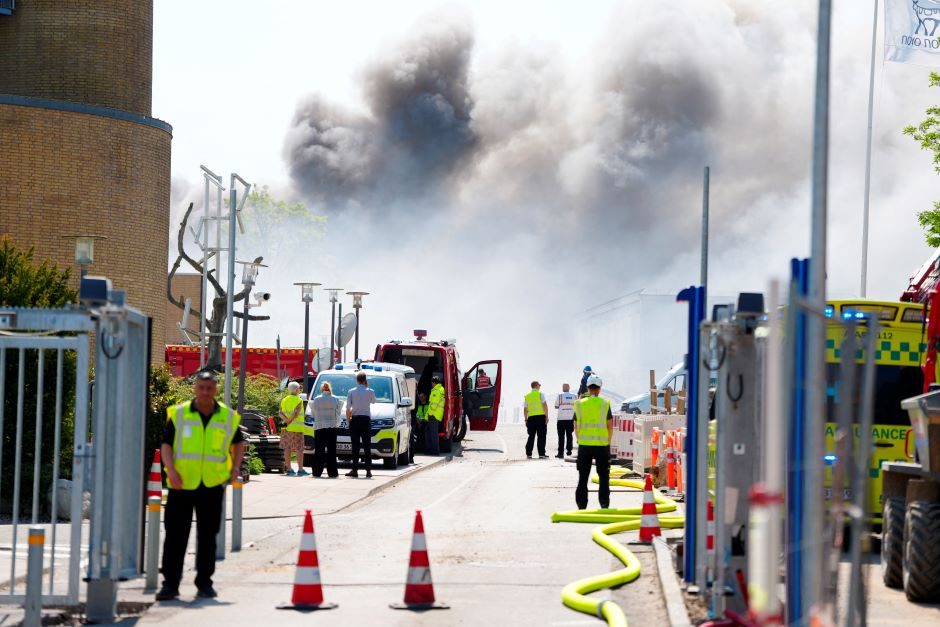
(871, 111)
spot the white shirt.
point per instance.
(565, 405)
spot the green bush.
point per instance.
(255, 463)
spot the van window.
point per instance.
(892, 385)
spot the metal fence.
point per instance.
(62, 555)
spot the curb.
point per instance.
(672, 594)
(379, 488)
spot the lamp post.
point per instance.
(357, 305)
(334, 298)
(84, 251)
(249, 275)
(306, 294)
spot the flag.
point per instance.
(912, 31)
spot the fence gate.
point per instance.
(40, 367)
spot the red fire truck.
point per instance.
(472, 397)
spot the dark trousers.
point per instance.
(600, 455)
(565, 430)
(432, 440)
(177, 520)
(324, 453)
(360, 434)
(536, 426)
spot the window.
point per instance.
(342, 383)
(892, 385)
(7, 6)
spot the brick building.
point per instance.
(81, 153)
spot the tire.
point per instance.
(462, 431)
(892, 542)
(922, 552)
(391, 463)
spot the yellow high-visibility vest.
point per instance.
(590, 413)
(201, 453)
(423, 413)
(288, 404)
(436, 401)
(533, 403)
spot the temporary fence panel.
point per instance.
(622, 443)
(60, 557)
(643, 425)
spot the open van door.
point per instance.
(481, 390)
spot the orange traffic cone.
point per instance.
(670, 460)
(649, 522)
(155, 481)
(419, 591)
(308, 592)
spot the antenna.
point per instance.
(346, 330)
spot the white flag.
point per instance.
(912, 31)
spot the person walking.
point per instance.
(593, 426)
(536, 420)
(583, 388)
(292, 431)
(564, 421)
(202, 449)
(359, 416)
(326, 410)
(437, 400)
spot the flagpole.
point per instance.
(871, 110)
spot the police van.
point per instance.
(394, 386)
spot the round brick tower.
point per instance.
(80, 152)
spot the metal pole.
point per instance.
(342, 350)
(277, 355)
(243, 355)
(230, 296)
(357, 334)
(705, 185)
(816, 336)
(33, 606)
(153, 541)
(306, 349)
(332, 334)
(203, 339)
(220, 537)
(237, 515)
(871, 111)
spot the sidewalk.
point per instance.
(270, 503)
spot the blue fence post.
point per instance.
(695, 296)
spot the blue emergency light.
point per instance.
(830, 310)
(830, 459)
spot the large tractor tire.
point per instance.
(922, 552)
(892, 542)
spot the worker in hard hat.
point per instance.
(436, 402)
(536, 420)
(593, 428)
(292, 433)
(583, 388)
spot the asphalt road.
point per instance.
(496, 558)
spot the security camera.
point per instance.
(262, 296)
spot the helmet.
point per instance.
(587, 369)
(594, 380)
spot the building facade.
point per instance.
(81, 152)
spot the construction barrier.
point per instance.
(621, 445)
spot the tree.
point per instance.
(23, 283)
(927, 133)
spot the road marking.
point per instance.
(446, 496)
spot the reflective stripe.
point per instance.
(307, 576)
(533, 403)
(419, 543)
(419, 575)
(308, 542)
(591, 420)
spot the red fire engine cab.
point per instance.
(472, 399)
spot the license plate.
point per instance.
(343, 446)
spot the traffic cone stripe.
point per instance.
(308, 559)
(307, 576)
(419, 559)
(419, 575)
(649, 521)
(308, 542)
(419, 543)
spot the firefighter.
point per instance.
(436, 402)
(292, 435)
(536, 420)
(593, 428)
(202, 448)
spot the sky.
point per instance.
(492, 169)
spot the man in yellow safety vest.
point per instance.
(536, 419)
(202, 449)
(593, 428)
(436, 403)
(292, 434)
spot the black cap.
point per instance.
(205, 375)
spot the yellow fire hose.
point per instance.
(574, 595)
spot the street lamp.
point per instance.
(306, 294)
(334, 298)
(357, 305)
(249, 276)
(84, 251)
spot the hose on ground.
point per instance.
(614, 521)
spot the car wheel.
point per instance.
(390, 463)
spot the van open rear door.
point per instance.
(481, 390)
